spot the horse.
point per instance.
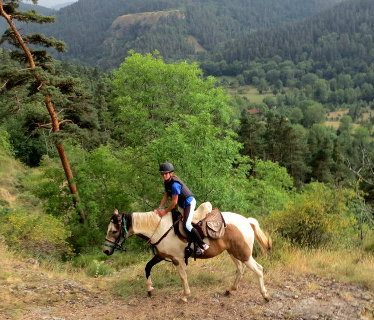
(237, 240)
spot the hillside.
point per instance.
(344, 31)
(86, 26)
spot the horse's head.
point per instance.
(116, 234)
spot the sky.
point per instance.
(52, 3)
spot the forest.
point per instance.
(84, 134)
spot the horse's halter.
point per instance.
(117, 244)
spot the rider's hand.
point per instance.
(161, 212)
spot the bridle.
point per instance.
(120, 240)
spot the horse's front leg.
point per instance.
(156, 259)
(181, 268)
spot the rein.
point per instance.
(165, 234)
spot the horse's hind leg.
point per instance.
(240, 268)
(181, 268)
(156, 259)
(258, 270)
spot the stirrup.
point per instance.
(199, 252)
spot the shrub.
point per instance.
(37, 233)
(316, 217)
(5, 147)
(98, 268)
(368, 244)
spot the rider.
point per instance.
(181, 195)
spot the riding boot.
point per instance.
(195, 235)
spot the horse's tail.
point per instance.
(261, 237)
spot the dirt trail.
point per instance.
(29, 293)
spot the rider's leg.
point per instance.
(188, 215)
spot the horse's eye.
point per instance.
(114, 232)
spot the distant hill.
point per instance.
(62, 5)
(94, 36)
(41, 9)
(344, 31)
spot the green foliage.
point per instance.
(207, 158)
(270, 188)
(49, 183)
(174, 103)
(368, 244)
(43, 235)
(98, 268)
(5, 146)
(151, 94)
(317, 217)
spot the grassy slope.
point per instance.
(9, 171)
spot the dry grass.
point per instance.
(144, 18)
(249, 92)
(196, 45)
(350, 265)
(218, 274)
(333, 118)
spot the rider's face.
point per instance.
(166, 176)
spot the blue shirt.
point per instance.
(176, 188)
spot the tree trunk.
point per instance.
(64, 160)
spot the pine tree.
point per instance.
(37, 76)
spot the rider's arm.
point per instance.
(176, 190)
(173, 203)
(163, 201)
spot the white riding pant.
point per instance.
(190, 216)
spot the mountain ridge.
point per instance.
(86, 26)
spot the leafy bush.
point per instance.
(5, 147)
(270, 188)
(98, 268)
(368, 244)
(316, 217)
(40, 234)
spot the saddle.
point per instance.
(212, 225)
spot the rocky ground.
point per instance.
(29, 293)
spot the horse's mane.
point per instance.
(145, 221)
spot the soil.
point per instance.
(30, 293)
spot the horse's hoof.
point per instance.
(228, 293)
(267, 298)
(184, 299)
(149, 293)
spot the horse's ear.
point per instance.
(116, 212)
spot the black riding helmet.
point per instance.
(166, 167)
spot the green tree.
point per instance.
(150, 95)
(321, 146)
(270, 187)
(37, 76)
(262, 86)
(314, 113)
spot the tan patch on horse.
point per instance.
(233, 241)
